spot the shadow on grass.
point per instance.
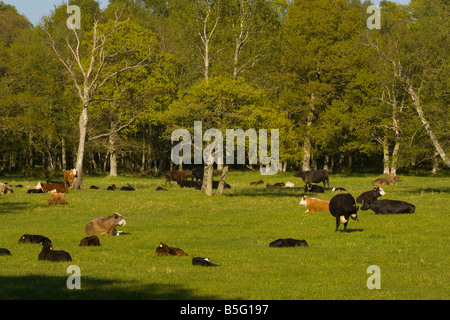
(263, 191)
(12, 207)
(37, 287)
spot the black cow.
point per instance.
(128, 188)
(215, 185)
(57, 182)
(34, 238)
(197, 173)
(189, 184)
(389, 206)
(313, 188)
(343, 206)
(5, 252)
(92, 241)
(371, 195)
(204, 262)
(288, 242)
(315, 176)
(47, 253)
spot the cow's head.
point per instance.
(303, 202)
(120, 220)
(380, 191)
(355, 217)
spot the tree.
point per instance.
(91, 65)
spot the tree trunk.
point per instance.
(112, 155)
(78, 184)
(221, 186)
(63, 153)
(307, 142)
(386, 157)
(426, 124)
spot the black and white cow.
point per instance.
(371, 195)
(313, 188)
(343, 206)
(389, 206)
(315, 176)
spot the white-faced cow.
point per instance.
(371, 195)
(315, 176)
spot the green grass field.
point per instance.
(234, 231)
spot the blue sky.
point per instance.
(34, 10)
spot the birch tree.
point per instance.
(88, 65)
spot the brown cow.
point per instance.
(106, 225)
(69, 177)
(51, 188)
(386, 181)
(175, 175)
(165, 250)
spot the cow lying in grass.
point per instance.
(288, 242)
(100, 225)
(386, 181)
(165, 250)
(34, 238)
(371, 195)
(314, 205)
(389, 206)
(57, 198)
(92, 241)
(204, 262)
(47, 253)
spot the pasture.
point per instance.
(234, 231)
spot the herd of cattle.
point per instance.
(342, 207)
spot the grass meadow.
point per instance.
(234, 231)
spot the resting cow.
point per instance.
(204, 262)
(34, 238)
(51, 187)
(47, 253)
(4, 252)
(288, 242)
(389, 206)
(165, 250)
(5, 188)
(343, 206)
(386, 181)
(92, 241)
(371, 195)
(314, 205)
(313, 188)
(57, 198)
(100, 225)
(315, 176)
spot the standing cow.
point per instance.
(69, 177)
(315, 176)
(343, 206)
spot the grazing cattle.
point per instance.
(371, 195)
(338, 190)
(161, 189)
(57, 198)
(314, 205)
(276, 185)
(386, 181)
(127, 188)
(315, 176)
(189, 184)
(175, 175)
(69, 177)
(288, 242)
(343, 206)
(197, 173)
(389, 206)
(100, 225)
(92, 241)
(51, 187)
(4, 252)
(313, 188)
(5, 188)
(289, 185)
(204, 262)
(34, 238)
(94, 188)
(47, 253)
(165, 250)
(111, 187)
(257, 182)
